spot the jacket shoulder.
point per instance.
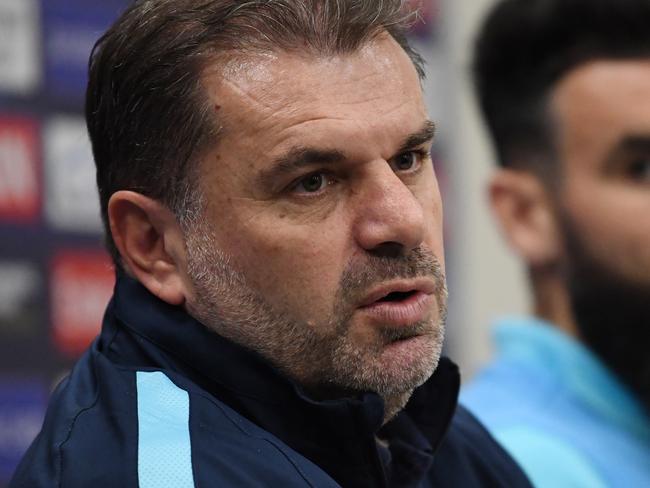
(469, 456)
(230, 449)
(89, 432)
(108, 426)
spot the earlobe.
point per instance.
(150, 243)
(524, 211)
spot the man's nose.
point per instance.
(390, 219)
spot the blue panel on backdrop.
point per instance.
(70, 29)
(22, 408)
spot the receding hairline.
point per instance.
(219, 62)
(232, 65)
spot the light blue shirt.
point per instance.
(559, 411)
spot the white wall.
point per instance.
(485, 279)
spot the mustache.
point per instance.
(359, 276)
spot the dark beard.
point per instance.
(612, 314)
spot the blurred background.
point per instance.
(55, 278)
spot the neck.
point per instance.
(551, 300)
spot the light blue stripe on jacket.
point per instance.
(164, 448)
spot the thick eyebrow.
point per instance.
(631, 144)
(417, 139)
(300, 157)
(634, 142)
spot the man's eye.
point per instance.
(640, 169)
(407, 161)
(312, 183)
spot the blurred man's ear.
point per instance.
(524, 211)
(151, 244)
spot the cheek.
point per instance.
(430, 199)
(614, 222)
(624, 241)
(293, 265)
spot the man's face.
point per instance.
(603, 111)
(320, 245)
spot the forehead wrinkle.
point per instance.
(261, 72)
(252, 95)
(266, 100)
(270, 102)
(393, 138)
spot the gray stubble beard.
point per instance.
(319, 356)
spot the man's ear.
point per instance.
(524, 211)
(151, 244)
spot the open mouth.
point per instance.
(397, 296)
(399, 304)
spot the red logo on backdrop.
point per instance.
(81, 283)
(19, 177)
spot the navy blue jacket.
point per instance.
(159, 401)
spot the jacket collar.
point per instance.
(337, 435)
(572, 367)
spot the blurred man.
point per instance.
(565, 89)
(273, 213)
